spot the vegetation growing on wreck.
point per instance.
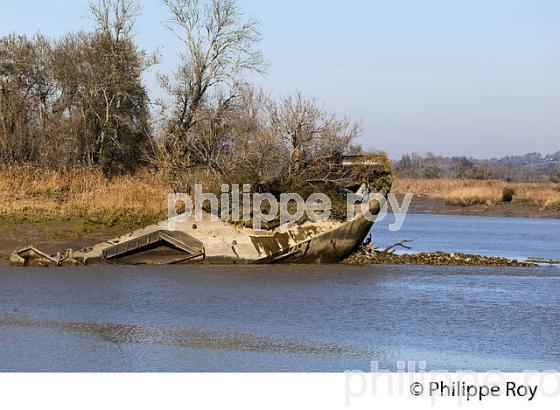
(335, 177)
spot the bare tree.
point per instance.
(26, 94)
(219, 45)
(100, 79)
(257, 154)
(311, 133)
(231, 141)
(115, 17)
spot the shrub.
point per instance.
(472, 196)
(507, 194)
(555, 175)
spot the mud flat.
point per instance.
(370, 256)
(52, 237)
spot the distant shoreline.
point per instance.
(431, 206)
(480, 197)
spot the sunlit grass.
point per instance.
(467, 192)
(29, 194)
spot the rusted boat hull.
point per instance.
(212, 242)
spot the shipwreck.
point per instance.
(219, 242)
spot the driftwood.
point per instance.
(391, 249)
(544, 261)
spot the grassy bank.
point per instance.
(467, 192)
(29, 194)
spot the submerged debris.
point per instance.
(32, 256)
(370, 256)
(544, 261)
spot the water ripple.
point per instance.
(190, 338)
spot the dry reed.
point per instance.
(30, 194)
(468, 192)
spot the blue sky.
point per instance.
(469, 77)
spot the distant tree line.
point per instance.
(532, 167)
(80, 99)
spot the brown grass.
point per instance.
(29, 194)
(466, 192)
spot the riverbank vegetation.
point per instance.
(81, 136)
(31, 194)
(469, 192)
(77, 105)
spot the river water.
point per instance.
(296, 318)
(515, 238)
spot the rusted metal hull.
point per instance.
(330, 247)
(215, 242)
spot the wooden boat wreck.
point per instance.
(217, 242)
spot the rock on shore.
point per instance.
(369, 256)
